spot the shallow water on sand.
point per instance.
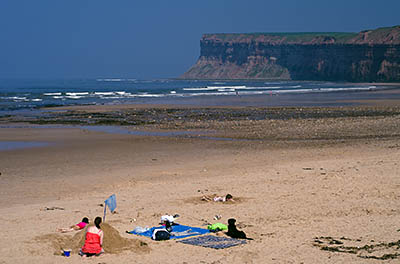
(10, 145)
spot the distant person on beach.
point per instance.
(226, 198)
(93, 240)
(81, 225)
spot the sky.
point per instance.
(51, 39)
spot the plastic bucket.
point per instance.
(67, 252)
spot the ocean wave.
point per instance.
(74, 97)
(104, 93)
(51, 94)
(111, 97)
(336, 89)
(275, 90)
(262, 88)
(269, 87)
(110, 80)
(14, 98)
(212, 93)
(116, 80)
(295, 91)
(150, 95)
(255, 92)
(77, 94)
(211, 88)
(235, 88)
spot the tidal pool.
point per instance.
(10, 145)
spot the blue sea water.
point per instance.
(33, 94)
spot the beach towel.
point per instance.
(211, 241)
(178, 231)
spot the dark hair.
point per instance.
(231, 221)
(168, 226)
(85, 220)
(97, 222)
(228, 197)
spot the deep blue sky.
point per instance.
(155, 39)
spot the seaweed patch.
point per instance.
(379, 251)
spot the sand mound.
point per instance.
(113, 243)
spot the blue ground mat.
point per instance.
(178, 231)
(213, 241)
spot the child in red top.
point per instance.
(79, 226)
(93, 240)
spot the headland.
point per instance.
(367, 56)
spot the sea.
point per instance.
(32, 94)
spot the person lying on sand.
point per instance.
(93, 240)
(81, 225)
(227, 198)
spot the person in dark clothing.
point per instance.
(234, 232)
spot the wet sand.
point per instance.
(313, 185)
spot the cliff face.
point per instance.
(369, 56)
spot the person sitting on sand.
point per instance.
(93, 240)
(234, 232)
(79, 226)
(168, 221)
(227, 198)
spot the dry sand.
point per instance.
(296, 194)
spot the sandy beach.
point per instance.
(316, 185)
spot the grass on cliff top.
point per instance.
(305, 37)
(289, 36)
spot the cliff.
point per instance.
(368, 56)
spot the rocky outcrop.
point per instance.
(369, 56)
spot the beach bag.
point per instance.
(160, 234)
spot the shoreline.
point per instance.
(173, 93)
